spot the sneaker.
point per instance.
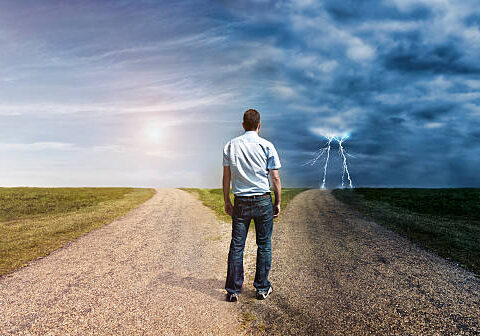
(263, 295)
(232, 297)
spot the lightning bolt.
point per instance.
(326, 162)
(317, 155)
(345, 164)
(325, 151)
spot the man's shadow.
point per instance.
(211, 287)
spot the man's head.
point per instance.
(251, 120)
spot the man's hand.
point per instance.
(229, 208)
(276, 210)
(277, 190)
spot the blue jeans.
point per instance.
(244, 210)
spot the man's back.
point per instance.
(250, 158)
(247, 162)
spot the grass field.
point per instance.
(36, 221)
(446, 221)
(213, 198)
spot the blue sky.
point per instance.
(146, 93)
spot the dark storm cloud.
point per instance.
(419, 57)
(403, 86)
(351, 11)
(432, 112)
(473, 20)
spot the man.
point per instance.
(248, 160)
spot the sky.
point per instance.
(146, 93)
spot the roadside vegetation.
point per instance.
(37, 221)
(446, 221)
(213, 199)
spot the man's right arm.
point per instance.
(227, 176)
(277, 190)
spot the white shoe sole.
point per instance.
(263, 296)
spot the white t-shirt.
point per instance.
(250, 158)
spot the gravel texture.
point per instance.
(159, 270)
(335, 273)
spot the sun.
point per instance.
(154, 132)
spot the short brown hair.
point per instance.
(251, 119)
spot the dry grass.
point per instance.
(37, 221)
(213, 199)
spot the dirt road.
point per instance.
(160, 270)
(335, 273)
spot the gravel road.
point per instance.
(335, 273)
(159, 270)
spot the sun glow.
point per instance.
(154, 132)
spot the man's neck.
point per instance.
(251, 132)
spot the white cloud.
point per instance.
(204, 39)
(436, 95)
(359, 51)
(390, 26)
(440, 83)
(52, 108)
(109, 148)
(464, 97)
(302, 4)
(323, 31)
(284, 91)
(473, 84)
(474, 108)
(9, 112)
(448, 21)
(390, 98)
(311, 109)
(434, 125)
(328, 66)
(178, 105)
(328, 132)
(405, 5)
(166, 154)
(36, 146)
(116, 107)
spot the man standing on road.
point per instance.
(247, 162)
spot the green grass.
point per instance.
(446, 221)
(36, 221)
(213, 199)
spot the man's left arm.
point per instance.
(273, 164)
(277, 190)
